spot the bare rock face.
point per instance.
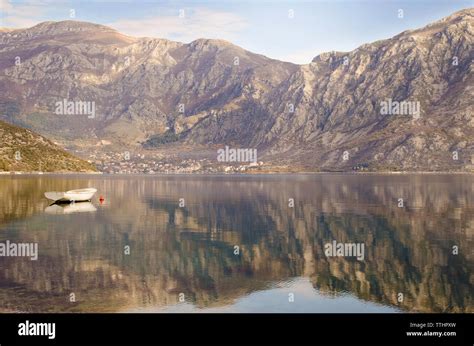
(399, 104)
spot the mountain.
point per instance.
(24, 150)
(325, 115)
(338, 105)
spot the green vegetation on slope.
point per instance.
(157, 140)
(24, 150)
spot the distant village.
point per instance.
(152, 163)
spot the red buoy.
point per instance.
(101, 199)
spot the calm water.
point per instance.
(188, 253)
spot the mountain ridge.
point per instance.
(211, 92)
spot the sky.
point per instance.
(294, 31)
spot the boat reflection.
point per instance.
(70, 208)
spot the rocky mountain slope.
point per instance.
(324, 115)
(23, 150)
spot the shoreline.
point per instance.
(48, 173)
(241, 174)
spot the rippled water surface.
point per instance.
(186, 258)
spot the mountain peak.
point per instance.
(213, 41)
(465, 14)
(460, 17)
(328, 57)
(65, 26)
(68, 30)
(54, 29)
(463, 17)
(210, 43)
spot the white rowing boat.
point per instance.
(80, 195)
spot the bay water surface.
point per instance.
(240, 243)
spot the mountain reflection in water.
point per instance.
(190, 250)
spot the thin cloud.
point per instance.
(21, 15)
(196, 23)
